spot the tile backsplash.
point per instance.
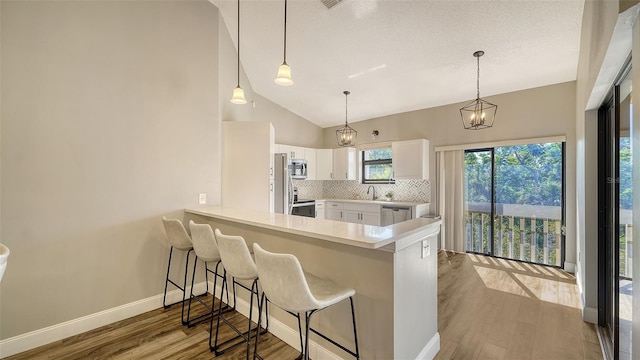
(403, 190)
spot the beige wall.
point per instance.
(103, 131)
(111, 117)
(598, 23)
(532, 113)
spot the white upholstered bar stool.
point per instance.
(286, 285)
(206, 250)
(180, 240)
(239, 264)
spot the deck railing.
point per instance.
(531, 233)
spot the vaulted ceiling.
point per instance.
(402, 55)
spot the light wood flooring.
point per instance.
(158, 334)
(492, 308)
(487, 309)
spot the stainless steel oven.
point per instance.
(304, 208)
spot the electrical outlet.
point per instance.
(426, 249)
(202, 198)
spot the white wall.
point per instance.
(635, 127)
(289, 127)
(598, 24)
(109, 120)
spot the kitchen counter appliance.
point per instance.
(394, 214)
(285, 196)
(302, 207)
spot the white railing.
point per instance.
(531, 233)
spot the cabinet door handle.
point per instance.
(271, 187)
(346, 176)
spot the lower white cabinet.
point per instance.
(367, 214)
(362, 217)
(320, 213)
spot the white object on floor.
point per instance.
(4, 254)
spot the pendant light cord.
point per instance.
(478, 79)
(285, 31)
(238, 42)
(346, 107)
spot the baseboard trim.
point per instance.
(570, 267)
(47, 335)
(44, 336)
(590, 315)
(431, 349)
(287, 334)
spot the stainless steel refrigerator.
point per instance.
(282, 185)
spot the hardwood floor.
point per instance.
(498, 309)
(157, 334)
(487, 309)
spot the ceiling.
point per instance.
(402, 55)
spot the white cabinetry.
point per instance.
(367, 214)
(344, 164)
(411, 159)
(324, 162)
(310, 156)
(320, 212)
(333, 211)
(293, 152)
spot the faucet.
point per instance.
(373, 197)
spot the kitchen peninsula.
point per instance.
(392, 268)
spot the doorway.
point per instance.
(514, 202)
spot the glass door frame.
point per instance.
(491, 240)
(493, 200)
(609, 216)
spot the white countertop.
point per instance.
(365, 236)
(380, 202)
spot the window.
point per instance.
(377, 166)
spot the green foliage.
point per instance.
(524, 174)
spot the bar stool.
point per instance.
(238, 263)
(206, 249)
(286, 285)
(180, 240)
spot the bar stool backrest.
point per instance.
(236, 257)
(204, 242)
(283, 280)
(177, 234)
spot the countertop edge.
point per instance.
(413, 228)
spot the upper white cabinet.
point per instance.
(324, 164)
(411, 159)
(293, 152)
(310, 155)
(345, 164)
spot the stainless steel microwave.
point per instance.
(298, 168)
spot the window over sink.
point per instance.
(377, 166)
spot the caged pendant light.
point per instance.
(478, 114)
(284, 71)
(346, 135)
(238, 93)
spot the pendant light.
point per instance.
(284, 71)
(238, 93)
(478, 114)
(346, 135)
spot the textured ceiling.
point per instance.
(397, 56)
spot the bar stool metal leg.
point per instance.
(245, 337)
(216, 275)
(180, 287)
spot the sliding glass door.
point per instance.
(615, 203)
(515, 202)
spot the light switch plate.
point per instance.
(202, 198)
